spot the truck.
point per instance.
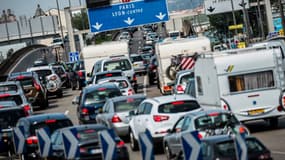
(248, 82)
(174, 47)
(92, 53)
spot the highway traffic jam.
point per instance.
(203, 106)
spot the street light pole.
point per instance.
(234, 16)
(60, 23)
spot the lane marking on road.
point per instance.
(277, 152)
(145, 85)
(32, 51)
(66, 112)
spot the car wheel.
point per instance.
(133, 142)
(168, 153)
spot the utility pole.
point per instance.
(245, 18)
(234, 16)
(260, 20)
(282, 15)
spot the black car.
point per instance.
(52, 121)
(10, 113)
(91, 100)
(35, 92)
(152, 70)
(80, 75)
(223, 147)
(88, 143)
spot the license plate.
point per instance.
(95, 151)
(256, 112)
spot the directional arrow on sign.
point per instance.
(108, 144)
(146, 146)
(44, 142)
(191, 146)
(211, 9)
(160, 16)
(19, 139)
(97, 26)
(241, 146)
(70, 143)
(129, 21)
(242, 4)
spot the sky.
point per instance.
(28, 7)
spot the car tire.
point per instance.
(167, 152)
(133, 142)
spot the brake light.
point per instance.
(27, 109)
(160, 118)
(84, 111)
(80, 73)
(20, 77)
(130, 92)
(109, 75)
(82, 150)
(120, 143)
(101, 89)
(279, 109)
(214, 114)
(177, 102)
(53, 78)
(116, 119)
(37, 86)
(50, 121)
(135, 78)
(200, 136)
(180, 88)
(32, 140)
(4, 95)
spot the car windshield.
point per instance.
(16, 98)
(6, 88)
(88, 134)
(127, 104)
(178, 106)
(121, 64)
(52, 124)
(215, 120)
(100, 95)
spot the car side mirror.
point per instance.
(75, 101)
(132, 113)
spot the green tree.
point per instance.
(80, 20)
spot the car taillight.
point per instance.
(82, 150)
(109, 75)
(130, 92)
(32, 140)
(160, 118)
(37, 86)
(116, 119)
(20, 77)
(200, 136)
(84, 111)
(53, 78)
(80, 73)
(27, 109)
(120, 143)
(134, 78)
(50, 121)
(264, 156)
(225, 106)
(283, 101)
(180, 88)
(279, 109)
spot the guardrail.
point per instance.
(6, 65)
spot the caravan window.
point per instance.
(251, 81)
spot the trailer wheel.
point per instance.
(171, 72)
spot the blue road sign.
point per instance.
(146, 145)
(73, 56)
(44, 142)
(191, 146)
(129, 14)
(108, 144)
(19, 139)
(241, 147)
(70, 144)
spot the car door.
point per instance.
(138, 118)
(146, 118)
(172, 138)
(184, 128)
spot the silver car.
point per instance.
(139, 63)
(122, 82)
(116, 110)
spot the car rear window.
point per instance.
(52, 124)
(120, 64)
(178, 106)
(100, 95)
(101, 76)
(88, 134)
(128, 104)
(43, 73)
(136, 58)
(26, 82)
(185, 78)
(9, 117)
(215, 120)
(16, 98)
(5, 88)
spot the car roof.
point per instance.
(184, 71)
(97, 86)
(39, 68)
(121, 98)
(172, 98)
(106, 72)
(44, 117)
(10, 93)
(8, 103)
(26, 74)
(206, 112)
(83, 127)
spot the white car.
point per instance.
(122, 82)
(181, 80)
(49, 78)
(158, 115)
